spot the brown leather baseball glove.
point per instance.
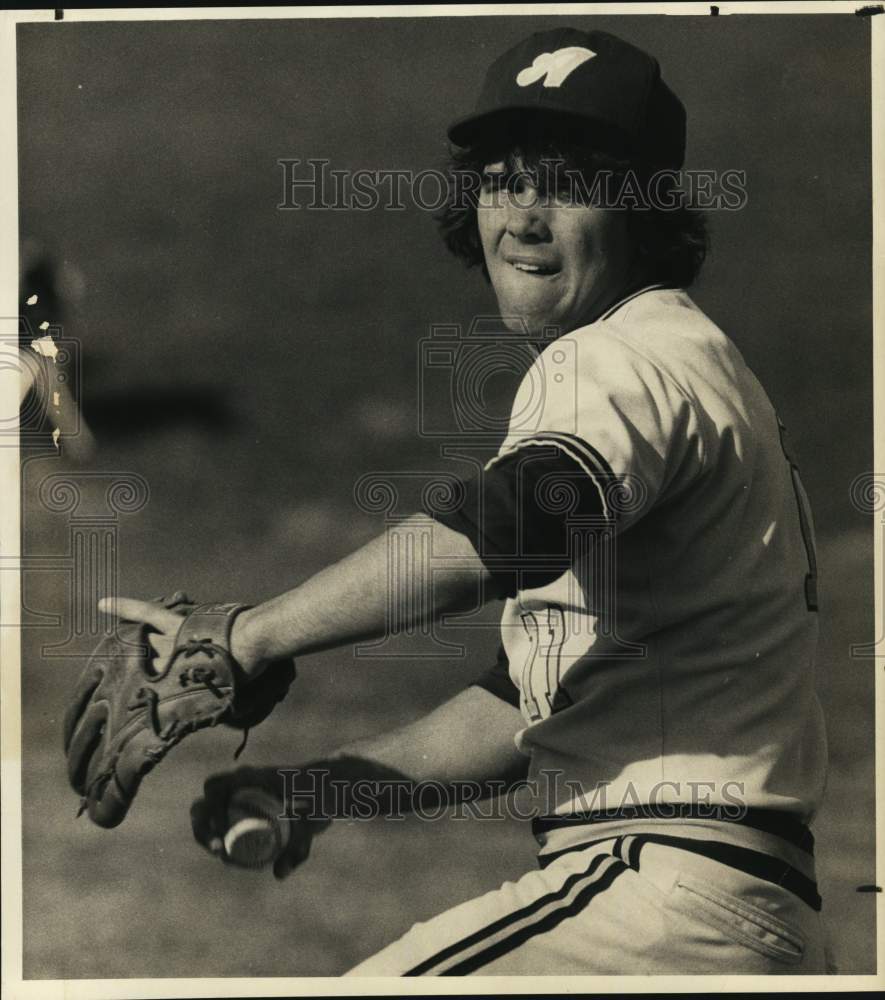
(125, 717)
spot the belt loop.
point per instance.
(627, 848)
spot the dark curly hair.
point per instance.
(588, 166)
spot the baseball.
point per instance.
(256, 834)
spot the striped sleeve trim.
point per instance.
(585, 456)
(510, 931)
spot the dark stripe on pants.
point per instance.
(763, 866)
(541, 927)
(510, 918)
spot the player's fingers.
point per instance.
(206, 827)
(141, 611)
(218, 788)
(301, 836)
(282, 867)
(210, 816)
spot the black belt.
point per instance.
(773, 821)
(755, 863)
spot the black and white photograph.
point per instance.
(441, 520)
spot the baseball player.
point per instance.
(647, 528)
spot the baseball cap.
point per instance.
(590, 77)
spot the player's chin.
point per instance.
(529, 304)
(530, 314)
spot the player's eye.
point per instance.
(558, 186)
(562, 192)
(493, 180)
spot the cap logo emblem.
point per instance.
(554, 66)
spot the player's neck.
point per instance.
(634, 282)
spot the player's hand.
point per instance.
(210, 817)
(164, 621)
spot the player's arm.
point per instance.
(469, 738)
(346, 602)
(349, 601)
(471, 556)
(462, 750)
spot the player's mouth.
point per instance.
(531, 265)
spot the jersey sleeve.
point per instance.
(597, 436)
(630, 428)
(515, 513)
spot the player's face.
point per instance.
(551, 261)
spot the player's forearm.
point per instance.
(463, 750)
(357, 787)
(352, 600)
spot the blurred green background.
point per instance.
(252, 364)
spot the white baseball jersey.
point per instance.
(671, 663)
(674, 661)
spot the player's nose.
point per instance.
(524, 216)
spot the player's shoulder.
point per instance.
(658, 333)
(646, 336)
(665, 325)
